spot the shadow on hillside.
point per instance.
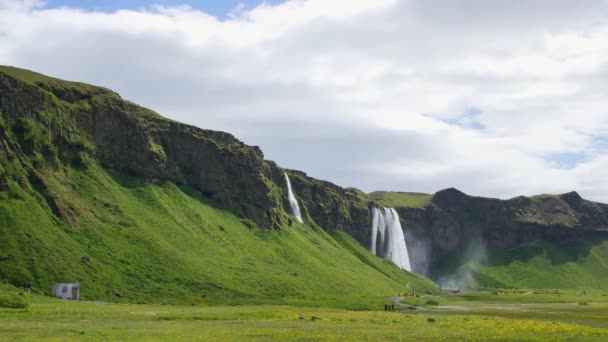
(132, 181)
(556, 254)
(125, 179)
(460, 264)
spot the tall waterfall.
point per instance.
(388, 240)
(293, 202)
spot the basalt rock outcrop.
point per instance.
(61, 121)
(333, 207)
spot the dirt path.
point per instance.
(397, 301)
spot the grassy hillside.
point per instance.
(401, 199)
(67, 214)
(135, 241)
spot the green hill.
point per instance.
(96, 190)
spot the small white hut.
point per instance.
(67, 290)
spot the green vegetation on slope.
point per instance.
(581, 266)
(133, 241)
(544, 265)
(552, 209)
(401, 199)
(75, 93)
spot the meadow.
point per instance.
(477, 316)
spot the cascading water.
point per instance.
(293, 202)
(388, 240)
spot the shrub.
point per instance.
(583, 303)
(34, 134)
(12, 301)
(432, 302)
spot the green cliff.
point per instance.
(97, 190)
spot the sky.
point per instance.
(218, 8)
(496, 98)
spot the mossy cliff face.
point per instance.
(218, 165)
(452, 220)
(47, 118)
(63, 121)
(333, 207)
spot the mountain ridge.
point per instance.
(48, 125)
(138, 208)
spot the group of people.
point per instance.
(27, 286)
(410, 294)
(389, 307)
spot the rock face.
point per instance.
(41, 115)
(333, 207)
(452, 219)
(218, 165)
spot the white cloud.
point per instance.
(372, 94)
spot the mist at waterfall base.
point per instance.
(293, 202)
(388, 240)
(419, 248)
(465, 277)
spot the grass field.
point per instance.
(590, 309)
(475, 316)
(401, 199)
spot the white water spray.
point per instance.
(293, 202)
(388, 240)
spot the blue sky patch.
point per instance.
(468, 119)
(218, 8)
(600, 142)
(568, 160)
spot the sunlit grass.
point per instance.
(52, 319)
(401, 199)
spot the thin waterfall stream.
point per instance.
(293, 202)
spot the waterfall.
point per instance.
(388, 240)
(293, 202)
